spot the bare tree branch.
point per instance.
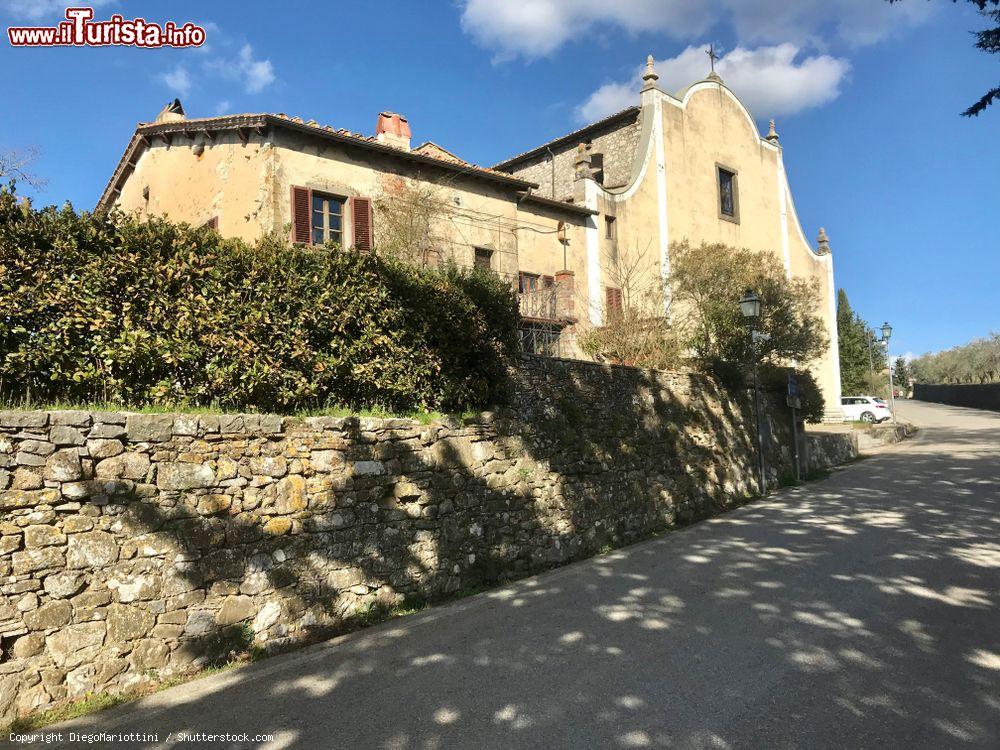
(14, 166)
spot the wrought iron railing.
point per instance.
(541, 304)
(547, 340)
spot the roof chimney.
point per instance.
(173, 112)
(393, 130)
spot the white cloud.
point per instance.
(258, 74)
(538, 28)
(35, 10)
(853, 22)
(771, 81)
(223, 107)
(255, 75)
(178, 80)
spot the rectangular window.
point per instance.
(527, 282)
(484, 258)
(729, 206)
(610, 230)
(327, 219)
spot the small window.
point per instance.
(484, 258)
(597, 168)
(527, 282)
(327, 219)
(610, 228)
(729, 207)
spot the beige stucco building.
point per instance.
(557, 220)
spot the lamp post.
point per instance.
(750, 308)
(886, 334)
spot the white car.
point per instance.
(865, 409)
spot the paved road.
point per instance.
(861, 611)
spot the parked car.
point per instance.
(867, 409)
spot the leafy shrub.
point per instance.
(113, 309)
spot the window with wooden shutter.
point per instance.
(212, 223)
(548, 282)
(527, 282)
(301, 215)
(361, 216)
(612, 303)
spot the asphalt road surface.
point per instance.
(862, 611)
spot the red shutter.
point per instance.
(613, 303)
(301, 210)
(361, 216)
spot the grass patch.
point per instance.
(93, 703)
(90, 704)
(331, 410)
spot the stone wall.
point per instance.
(616, 143)
(828, 449)
(973, 396)
(137, 546)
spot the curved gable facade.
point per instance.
(672, 194)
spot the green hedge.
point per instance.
(113, 309)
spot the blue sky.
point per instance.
(866, 98)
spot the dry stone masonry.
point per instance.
(137, 546)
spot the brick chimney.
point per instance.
(393, 130)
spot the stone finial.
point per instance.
(823, 241)
(649, 78)
(772, 134)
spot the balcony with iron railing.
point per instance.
(551, 303)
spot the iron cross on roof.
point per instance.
(712, 55)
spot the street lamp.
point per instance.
(750, 309)
(886, 334)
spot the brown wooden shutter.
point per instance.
(361, 216)
(613, 303)
(212, 223)
(301, 215)
(548, 282)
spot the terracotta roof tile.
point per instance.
(432, 153)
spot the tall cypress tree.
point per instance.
(901, 372)
(860, 355)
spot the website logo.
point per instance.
(80, 30)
